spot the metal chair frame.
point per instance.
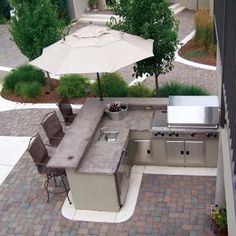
(51, 173)
(52, 128)
(66, 111)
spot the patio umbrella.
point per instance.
(93, 49)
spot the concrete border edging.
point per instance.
(187, 62)
(137, 172)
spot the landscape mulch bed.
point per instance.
(51, 96)
(207, 58)
(46, 97)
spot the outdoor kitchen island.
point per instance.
(98, 169)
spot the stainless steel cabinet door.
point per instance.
(194, 153)
(142, 153)
(175, 152)
(122, 177)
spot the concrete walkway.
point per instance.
(10, 55)
(181, 73)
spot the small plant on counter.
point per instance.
(116, 107)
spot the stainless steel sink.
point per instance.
(107, 135)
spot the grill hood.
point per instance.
(193, 111)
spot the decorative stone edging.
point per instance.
(187, 62)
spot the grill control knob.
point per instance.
(209, 135)
(176, 134)
(215, 135)
(192, 134)
(162, 134)
(156, 134)
(170, 134)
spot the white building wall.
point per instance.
(76, 8)
(193, 4)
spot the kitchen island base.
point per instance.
(93, 191)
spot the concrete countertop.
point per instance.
(80, 149)
(69, 152)
(103, 157)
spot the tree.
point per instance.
(4, 10)
(150, 19)
(61, 6)
(35, 26)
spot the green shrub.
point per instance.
(194, 90)
(73, 85)
(4, 11)
(28, 89)
(61, 6)
(139, 90)
(112, 85)
(172, 88)
(11, 80)
(175, 88)
(24, 73)
(204, 35)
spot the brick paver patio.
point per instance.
(24, 122)
(167, 205)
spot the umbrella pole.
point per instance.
(99, 87)
(49, 81)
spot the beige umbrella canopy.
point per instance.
(93, 49)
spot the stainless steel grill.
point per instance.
(186, 134)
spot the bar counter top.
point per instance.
(81, 148)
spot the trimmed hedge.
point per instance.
(139, 90)
(112, 85)
(176, 88)
(73, 85)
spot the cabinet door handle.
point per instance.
(187, 152)
(182, 152)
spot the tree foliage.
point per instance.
(62, 9)
(4, 10)
(150, 19)
(35, 26)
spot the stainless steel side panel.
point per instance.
(175, 152)
(192, 116)
(122, 177)
(194, 153)
(142, 153)
(193, 111)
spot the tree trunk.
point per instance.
(156, 83)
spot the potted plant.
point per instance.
(116, 110)
(218, 218)
(93, 4)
